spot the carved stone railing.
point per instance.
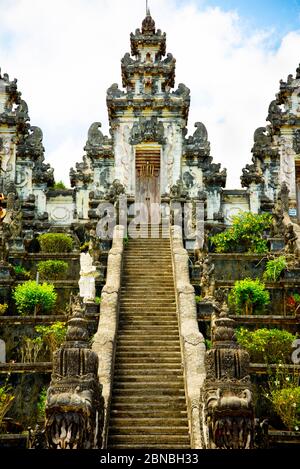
(192, 341)
(105, 339)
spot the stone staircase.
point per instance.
(148, 408)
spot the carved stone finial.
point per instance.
(74, 407)
(227, 392)
(148, 25)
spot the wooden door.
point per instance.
(148, 183)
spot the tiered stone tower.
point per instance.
(148, 152)
(21, 146)
(276, 151)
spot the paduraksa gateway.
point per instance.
(148, 307)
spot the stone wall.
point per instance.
(192, 341)
(105, 339)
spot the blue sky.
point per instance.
(231, 54)
(283, 15)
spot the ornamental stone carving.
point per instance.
(97, 145)
(296, 141)
(227, 392)
(74, 406)
(147, 130)
(88, 274)
(31, 145)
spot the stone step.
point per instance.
(154, 403)
(142, 357)
(134, 309)
(168, 295)
(154, 373)
(167, 369)
(159, 439)
(149, 329)
(147, 314)
(144, 322)
(148, 261)
(146, 306)
(150, 393)
(148, 282)
(124, 335)
(146, 327)
(149, 286)
(151, 365)
(132, 287)
(148, 446)
(149, 384)
(127, 377)
(148, 414)
(130, 343)
(148, 349)
(126, 299)
(146, 246)
(140, 283)
(148, 430)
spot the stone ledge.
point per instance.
(13, 320)
(263, 369)
(38, 367)
(254, 319)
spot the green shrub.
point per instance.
(274, 268)
(3, 308)
(248, 296)
(208, 344)
(198, 299)
(59, 185)
(41, 405)
(31, 297)
(85, 247)
(284, 395)
(21, 272)
(246, 231)
(266, 345)
(6, 400)
(55, 242)
(97, 300)
(52, 269)
(286, 403)
(53, 336)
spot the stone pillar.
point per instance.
(2, 351)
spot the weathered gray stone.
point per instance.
(2, 351)
(105, 339)
(193, 348)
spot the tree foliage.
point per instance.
(246, 232)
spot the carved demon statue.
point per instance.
(227, 397)
(74, 408)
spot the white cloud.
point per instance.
(66, 53)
